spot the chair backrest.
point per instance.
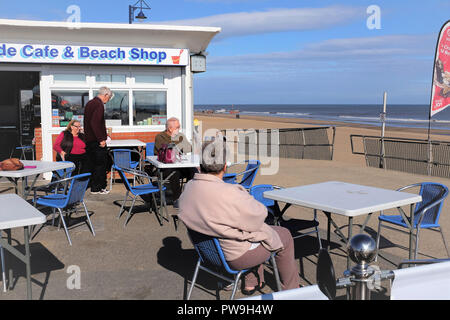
(122, 158)
(63, 173)
(258, 193)
(431, 192)
(150, 149)
(78, 188)
(209, 250)
(123, 177)
(249, 177)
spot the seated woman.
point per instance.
(70, 146)
(227, 211)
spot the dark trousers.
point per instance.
(80, 161)
(97, 158)
(174, 181)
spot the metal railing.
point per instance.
(299, 143)
(408, 155)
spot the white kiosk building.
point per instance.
(50, 70)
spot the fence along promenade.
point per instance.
(406, 155)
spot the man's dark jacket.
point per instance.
(94, 121)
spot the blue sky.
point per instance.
(286, 51)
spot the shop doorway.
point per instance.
(19, 111)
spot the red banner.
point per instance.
(440, 95)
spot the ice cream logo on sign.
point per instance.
(176, 59)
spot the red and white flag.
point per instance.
(440, 93)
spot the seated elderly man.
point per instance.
(227, 211)
(172, 134)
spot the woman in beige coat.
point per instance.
(227, 211)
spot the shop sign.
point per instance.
(42, 53)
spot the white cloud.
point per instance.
(275, 20)
(334, 52)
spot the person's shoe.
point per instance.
(96, 192)
(249, 292)
(104, 191)
(175, 204)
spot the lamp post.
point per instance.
(142, 5)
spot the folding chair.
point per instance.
(426, 213)
(68, 201)
(248, 176)
(212, 260)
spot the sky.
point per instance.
(291, 51)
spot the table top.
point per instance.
(188, 161)
(16, 212)
(126, 143)
(343, 198)
(41, 167)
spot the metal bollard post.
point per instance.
(361, 249)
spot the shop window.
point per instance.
(68, 105)
(111, 78)
(154, 79)
(117, 109)
(149, 107)
(69, 77)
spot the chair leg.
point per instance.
(194, 278)
(3, 268)
(445, 242)
(236, 282)
(111, 180)
(53, 216)
(123, 204)
(275, 271)
(89, 219)
(378, 239)
(129, 212)
(157, 210)
(416, 249)
(64, 224)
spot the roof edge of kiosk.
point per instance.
(194, 38)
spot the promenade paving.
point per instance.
(146, 261)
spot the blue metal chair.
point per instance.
(150, 149)
(140, 190)
(248, 176)
(293, 225)
(122, 158)
(24, 149)
(426, 213)
(212, 260)
(56, 176)
(68, 201)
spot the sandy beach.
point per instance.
(342, 146)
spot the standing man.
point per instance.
(95, 133)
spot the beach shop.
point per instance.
(50, 70)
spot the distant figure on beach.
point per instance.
(96, 135)
(227, 211)
(70, 146)
(172, 134)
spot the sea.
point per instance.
(397, 115)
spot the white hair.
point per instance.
(103, 91)
(173, 119)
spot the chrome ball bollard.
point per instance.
(361, 249)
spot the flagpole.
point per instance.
(383, 127)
